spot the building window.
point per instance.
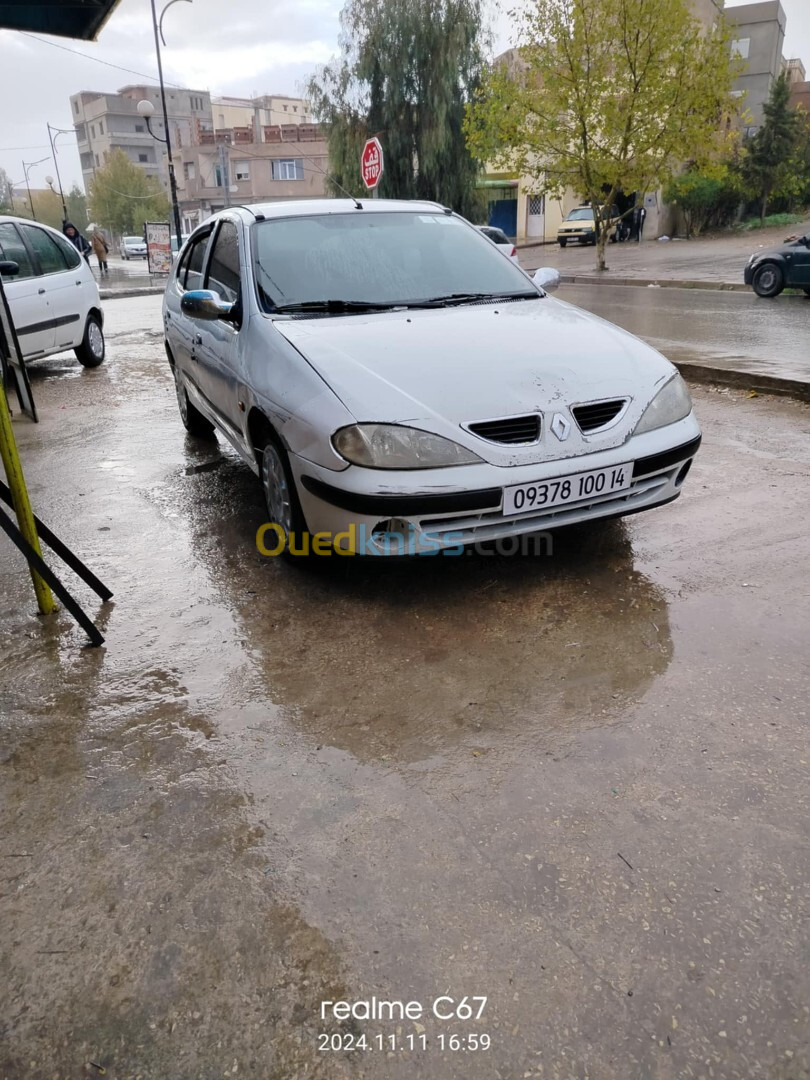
(537, 204)
(96, 157)
(292, 169)
(140, 128)
(100, 128)
(76, 107)
(740, 47)
(188, 170)
(285, 108)
(737, 93)
(142, 157)
(92, 131)
(87, 161)
(241, 170)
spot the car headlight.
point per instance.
(391, 446)
(672, 403)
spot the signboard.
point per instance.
(371, 163)
(158, 246)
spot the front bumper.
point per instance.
(375, 512)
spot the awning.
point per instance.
(82, 19)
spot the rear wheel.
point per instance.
(193, 420)
(280, 494)
(91, 351)
(768, 280)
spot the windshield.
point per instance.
(381, 258)
(584, 213)
(133, 240)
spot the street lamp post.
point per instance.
(26, 166)
(146, 109)
(53, 135)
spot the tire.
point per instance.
(768, 280)
(614, 236)
(562, 243)
(92, 350)
(807, 292)
(193, 420)
(280, 493)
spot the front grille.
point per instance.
(597, 414)
(510, 429)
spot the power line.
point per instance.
(97, 60)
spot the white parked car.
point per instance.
(51, 291)
(133, 247)
(400, 386)
(499, 237)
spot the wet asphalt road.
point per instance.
(735, 330)
(576, 784)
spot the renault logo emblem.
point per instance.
(561, 427)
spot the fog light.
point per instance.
(679, 479)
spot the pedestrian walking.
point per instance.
(76, 238)
(639, 214)
(101, 249)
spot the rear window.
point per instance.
(497, 235)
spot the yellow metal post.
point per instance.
(19, 496)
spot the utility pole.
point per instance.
(58, 131)
(224, 172)
(167, 140)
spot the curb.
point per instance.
(744, 380)
(120, 294)
(661, 283)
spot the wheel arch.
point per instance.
(259, 429)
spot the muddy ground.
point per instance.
(576, 784)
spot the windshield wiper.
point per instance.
(471, 298)
(335, 307)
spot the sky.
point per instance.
(241, 48)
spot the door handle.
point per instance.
(197, 337)
(40, 291)
(78, 281)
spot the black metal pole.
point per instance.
(28, 189)
(58, 177)
(172, 181)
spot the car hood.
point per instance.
(439, 369)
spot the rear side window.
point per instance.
(12, 248)
(189, 273)
(223, 267)
(51, 258)
(498, 236)
(71, 255)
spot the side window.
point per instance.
(223, 268)
(71, 255)
(194, 259)
(12, 248)
(51, 259)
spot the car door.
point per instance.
(800, 263)
(218, 342)
(26, 295)
(181, 331)
(61, 276)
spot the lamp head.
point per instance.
(145, 109)
(49, 181)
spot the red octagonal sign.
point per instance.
(371, 163)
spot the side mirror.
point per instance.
(547, 278)
(205, 304)
(9, 268)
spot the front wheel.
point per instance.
(91, 351)
(281, 496)
(807, 292)
(562, 243)
(768, 281)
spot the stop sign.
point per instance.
(371, 163)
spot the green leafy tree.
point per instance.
(76, 203)
(6, 194)
(123, 197)
(606, 96)
(407, 70)
(769, 167)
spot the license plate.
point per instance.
(544, 494)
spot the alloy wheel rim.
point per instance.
(182, 400)
(95, 339)
(767, 279)
(276, 489)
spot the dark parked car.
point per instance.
(786, 266)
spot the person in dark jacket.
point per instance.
(76, 238)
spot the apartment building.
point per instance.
(105, 122)
(231, 166)
(758, 34)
